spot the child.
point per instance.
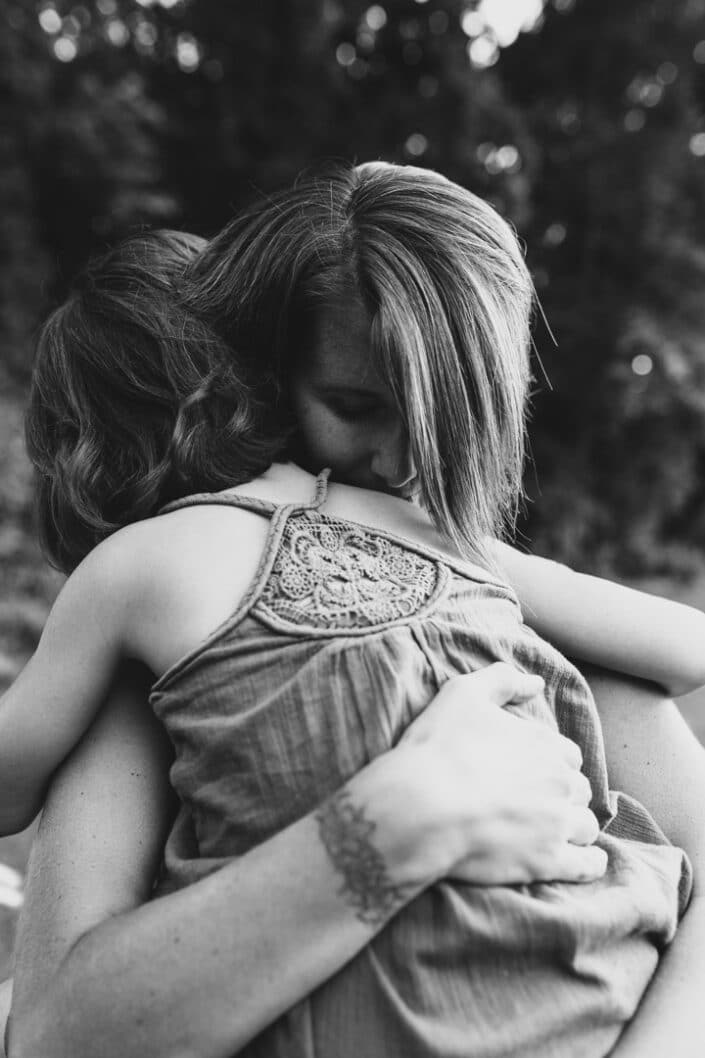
(353, 591)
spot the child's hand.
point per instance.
(503, 797)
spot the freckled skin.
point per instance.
(347, 416)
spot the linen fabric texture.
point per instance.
(346, 635)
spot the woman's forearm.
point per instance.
(652, 754)
(670, 1019)
(203, 970)
(470, 791)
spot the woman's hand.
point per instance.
(501, 798)
(470, 791)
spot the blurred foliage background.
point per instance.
(582, 120)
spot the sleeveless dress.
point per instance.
(345, 635)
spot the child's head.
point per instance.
(134, 401)
(395, 308)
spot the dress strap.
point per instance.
(221, 499)
(252, 503)
(279, 514)
(320, 491)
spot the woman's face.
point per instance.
(347, 416)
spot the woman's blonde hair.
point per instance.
(449, 295)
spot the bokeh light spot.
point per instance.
(506, 21)
(504, 159)
(416, 145)
(472, 24)
(376, 17)
(188, 53)
(345, 53)
(11, 894)
(483, 52)
(554, 234)
(651, 94)
(645, 90)
(65, 49)
(49, 20)
(117, 32)
(508, 158)
(146, 34)
(697, 144)
(642, 364)
(667, 73)
(568, 116)
(634, 119)
(699, 51)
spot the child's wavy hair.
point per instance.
(450, 298)
(135, 401)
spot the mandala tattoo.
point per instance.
(347, 837)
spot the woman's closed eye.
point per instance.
(351, 407)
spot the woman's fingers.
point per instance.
(571, 752)
(583, 827)
(502, 683)
(576, 863)
(580, 789)
(505, 797)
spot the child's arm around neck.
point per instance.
(609, 625)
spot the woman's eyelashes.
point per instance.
(354, 408)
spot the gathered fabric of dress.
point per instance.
(345, 636)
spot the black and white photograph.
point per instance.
(352, 529)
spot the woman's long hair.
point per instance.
(449, 295)
(135, 401)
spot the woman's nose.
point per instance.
(392, 460)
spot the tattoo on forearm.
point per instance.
(347, 838)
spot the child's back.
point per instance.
(333, 636)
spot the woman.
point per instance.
(226, 1028)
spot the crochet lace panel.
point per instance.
(330, 573)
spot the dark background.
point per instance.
(587, 131)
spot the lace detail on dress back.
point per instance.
(331, 573)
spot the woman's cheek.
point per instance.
(323, 434)
(337, 443)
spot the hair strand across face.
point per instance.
(450, 298)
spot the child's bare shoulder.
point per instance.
(178, 576)
(152, 546)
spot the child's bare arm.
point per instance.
(53, 700)
(607, 624)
